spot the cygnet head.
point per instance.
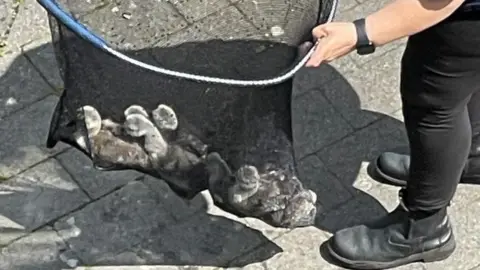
(247, 177)
(138, 125)
(135, 109)
(165, 117)
(93, 120)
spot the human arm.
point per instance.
(406, 18)
(398, 19)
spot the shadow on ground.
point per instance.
(132, 219)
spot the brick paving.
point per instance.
(59, 213)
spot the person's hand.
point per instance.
(334, 40)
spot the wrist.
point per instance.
(364, 45)
(372, 31)
(369, 30)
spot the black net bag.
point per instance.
(195, 93)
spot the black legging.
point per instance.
(440, 78)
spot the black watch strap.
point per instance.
(362, 38)
(364, 45)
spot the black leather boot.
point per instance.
(400, 238)
(393, 168)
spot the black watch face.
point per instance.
(363, 50)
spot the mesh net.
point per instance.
(234, 141)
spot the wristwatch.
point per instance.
(364, 46)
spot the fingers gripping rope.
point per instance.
(56, 11)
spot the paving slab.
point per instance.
(36, 197)
(316, 122)
(24, 134)
(265, 14)
(80, 8)
(21, 85)
(194, 31)
(229, 23)
(330, 190)
(301, 251)
(42, 57)
(345, 157)
(377, 96)
(466, 224)
(135, 225)
(30, 26)
(95, 182)
(346, 5)
(41, 250)
(193, 11)
(112, 224)
(8, 13)
(134, 25)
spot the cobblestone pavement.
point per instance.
(58, 213)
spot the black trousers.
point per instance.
(440, 88)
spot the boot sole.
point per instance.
(434, 255)
(386, 179)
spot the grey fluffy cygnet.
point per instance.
(138, 125)
(107, 143)
(175, 132)
(279, 200)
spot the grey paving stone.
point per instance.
(23, 138)
(6, 9)
(40, 195)
(8, 12)
(134, 226)
(466, 224)
(7, 57)
(181, 209)
(193, 33)
(150, 21)
(95, 182)
(114, 223)
(268, 13)
(79, 8)
(203, 241)
(346, 5)
(387, 195)
(465, 195)
(136, 267)
(316, 123)
(22, 85)
(300, 251)
(41, 250)
(31, 25)
(330, 191)
(9, 231)
(372, 90)
(229, 24)
(270, 232)
(194, 10)
(344, 159)
(361, 208)
(44, 59)
(348, 158)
